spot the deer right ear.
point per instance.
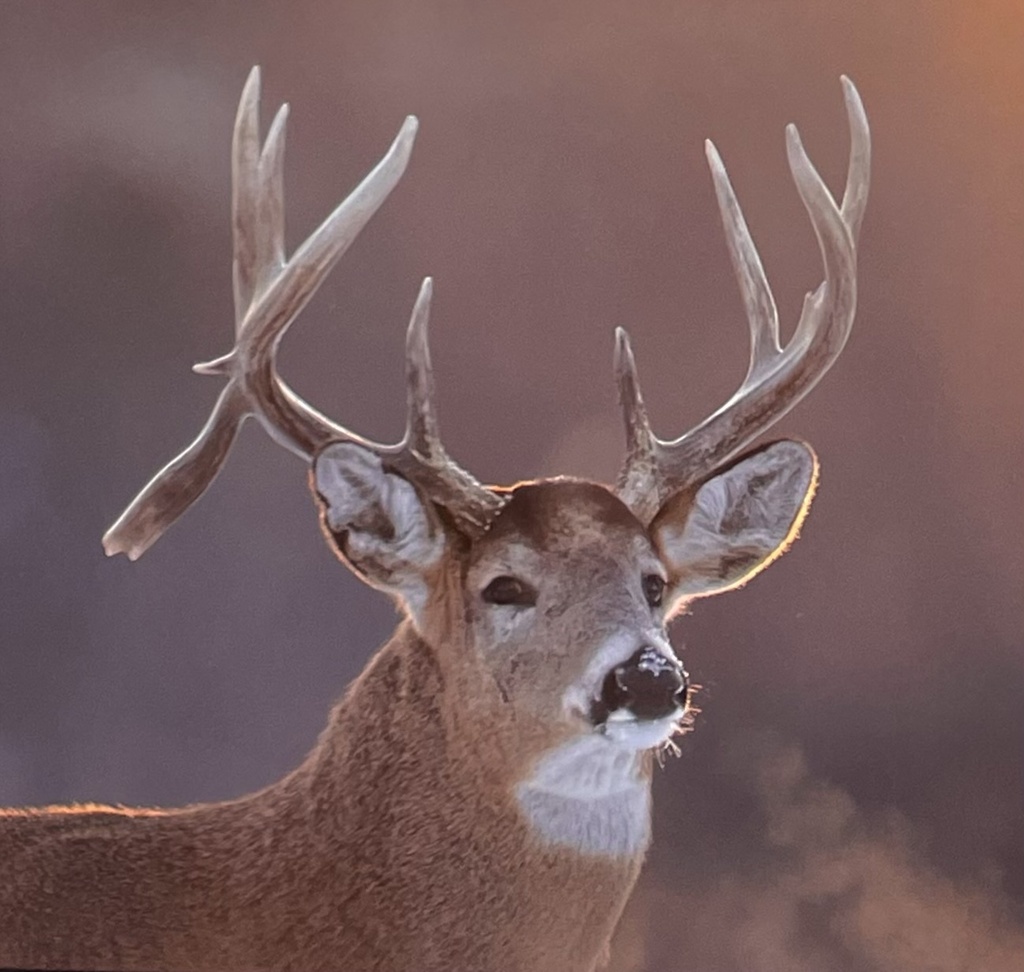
(737, 522)
(376, 521)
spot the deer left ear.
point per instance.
(376, 522)
(737, 522)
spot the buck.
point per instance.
(480, 797)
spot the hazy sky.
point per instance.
(852, 798)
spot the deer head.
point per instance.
(547, 601)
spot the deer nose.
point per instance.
(649, 685)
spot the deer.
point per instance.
(480, 798)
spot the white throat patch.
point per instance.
(590, 795)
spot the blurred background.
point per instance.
(852, 798)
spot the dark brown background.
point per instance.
(852, 799)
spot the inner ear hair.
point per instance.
(718, 534)
(375, 519)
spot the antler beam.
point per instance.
(777, 378)
(270, 292)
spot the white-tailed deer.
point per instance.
(480, 798)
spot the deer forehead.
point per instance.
(563, 518)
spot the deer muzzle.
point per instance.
(648, 686)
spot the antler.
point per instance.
(777, 378)
(269, 293)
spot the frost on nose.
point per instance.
(648, 686)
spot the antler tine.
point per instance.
(641, 445)
(245, 191)
(758, 300)
(776, 378)
(421, 431)
(421, 456)
(181, 482)
(269, 293)
(858, 172)
(257, 198)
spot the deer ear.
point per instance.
(376, 521)
(737, 522)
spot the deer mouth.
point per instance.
(647, 688)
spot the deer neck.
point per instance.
(407, 720)
(404, 769)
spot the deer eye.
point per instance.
(509, 590)
(654, 589)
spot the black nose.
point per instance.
(649, 685)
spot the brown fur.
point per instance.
(408, 839)
(326, 869)
(540, 513)
(399, 843)
(396, 845)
